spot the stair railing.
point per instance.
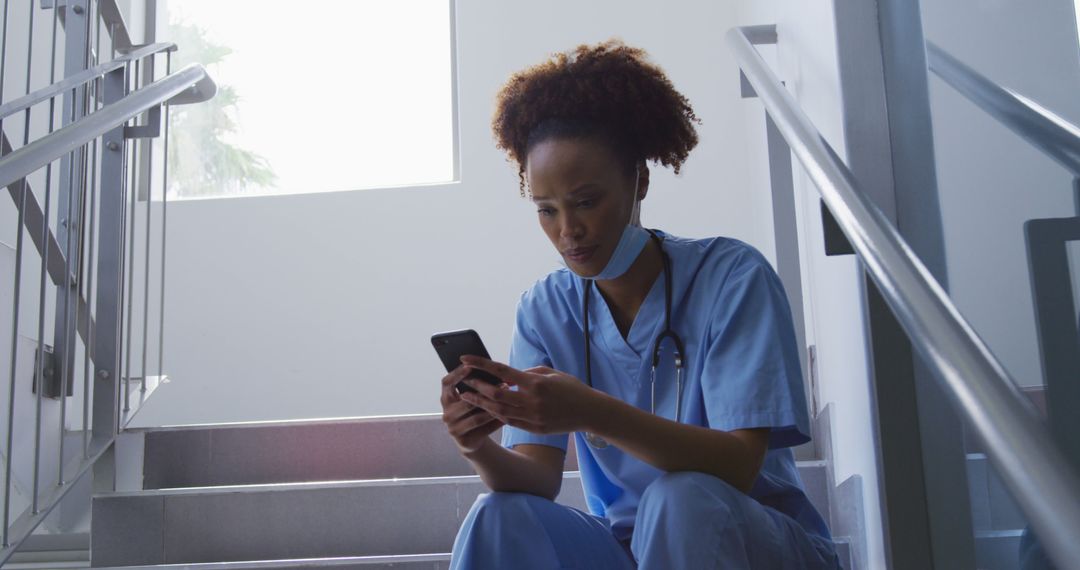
(1039, 126)
(1052, 279)
(86, 244)
(1017, 442)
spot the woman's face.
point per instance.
(584, 198)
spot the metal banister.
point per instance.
(191, 83)
(1017, 442)
(1044, 129)
(45, 93)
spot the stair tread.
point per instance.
(306, 485)
(328, 562)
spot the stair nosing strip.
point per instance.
(285, 563)
(303, 486)
(285, 423)
(812, 463)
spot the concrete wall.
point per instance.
(322, 305)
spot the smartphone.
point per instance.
(451, 346)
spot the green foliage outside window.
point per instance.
(202, 162)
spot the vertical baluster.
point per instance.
(123, 218)
(146, 263)
(67, 320)
(164, 219)
(89, 279)
(41, 290)
(15, 302)
(131, 256)
(14, 336)
(39, 369)
(73, 272)
(86, 157)
(3, 54)
(128, 162)
(70, 317)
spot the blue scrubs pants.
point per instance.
(685, 520)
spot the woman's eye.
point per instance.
(545, 211)
(586, 203)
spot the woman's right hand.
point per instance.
(469, 425)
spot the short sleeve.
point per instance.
(752, 377)
(527, 351)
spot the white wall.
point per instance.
(322, 305)
(806, 60)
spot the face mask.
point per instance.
(630, 246)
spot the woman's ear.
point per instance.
(643, 181)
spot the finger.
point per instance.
(540, 370)
(524, 425)
(498, 369)
(480, 422)
(487, 428)
(456, 375)
(454, 412)
(498, 393)
(470, 422)
(498, 409)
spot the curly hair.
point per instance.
(609, 90)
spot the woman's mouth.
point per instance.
(579, 254)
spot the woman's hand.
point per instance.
(546, 400)
(469, 425)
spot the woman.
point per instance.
(699, 473)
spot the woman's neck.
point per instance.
(626, 293)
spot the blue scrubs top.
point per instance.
(741, 368)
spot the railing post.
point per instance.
(76, 57)
(923, 483)
(109, 269)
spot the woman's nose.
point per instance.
(571, 227)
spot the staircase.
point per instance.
(997, 519)
(379, 493)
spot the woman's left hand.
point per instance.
(546, 400)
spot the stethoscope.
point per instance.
(596, 441)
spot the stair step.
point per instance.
(843, 552)
(287, 521)
(815, 480)
(992, 506)
(400, 562)
(997, 549)
(333, 450)
(286, 452)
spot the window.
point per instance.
(315, 97)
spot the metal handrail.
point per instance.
(191, 83)
(1017, 442)
(45, 93)
(1044, 129)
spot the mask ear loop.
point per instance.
(635, 210)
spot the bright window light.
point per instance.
(315, 97)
